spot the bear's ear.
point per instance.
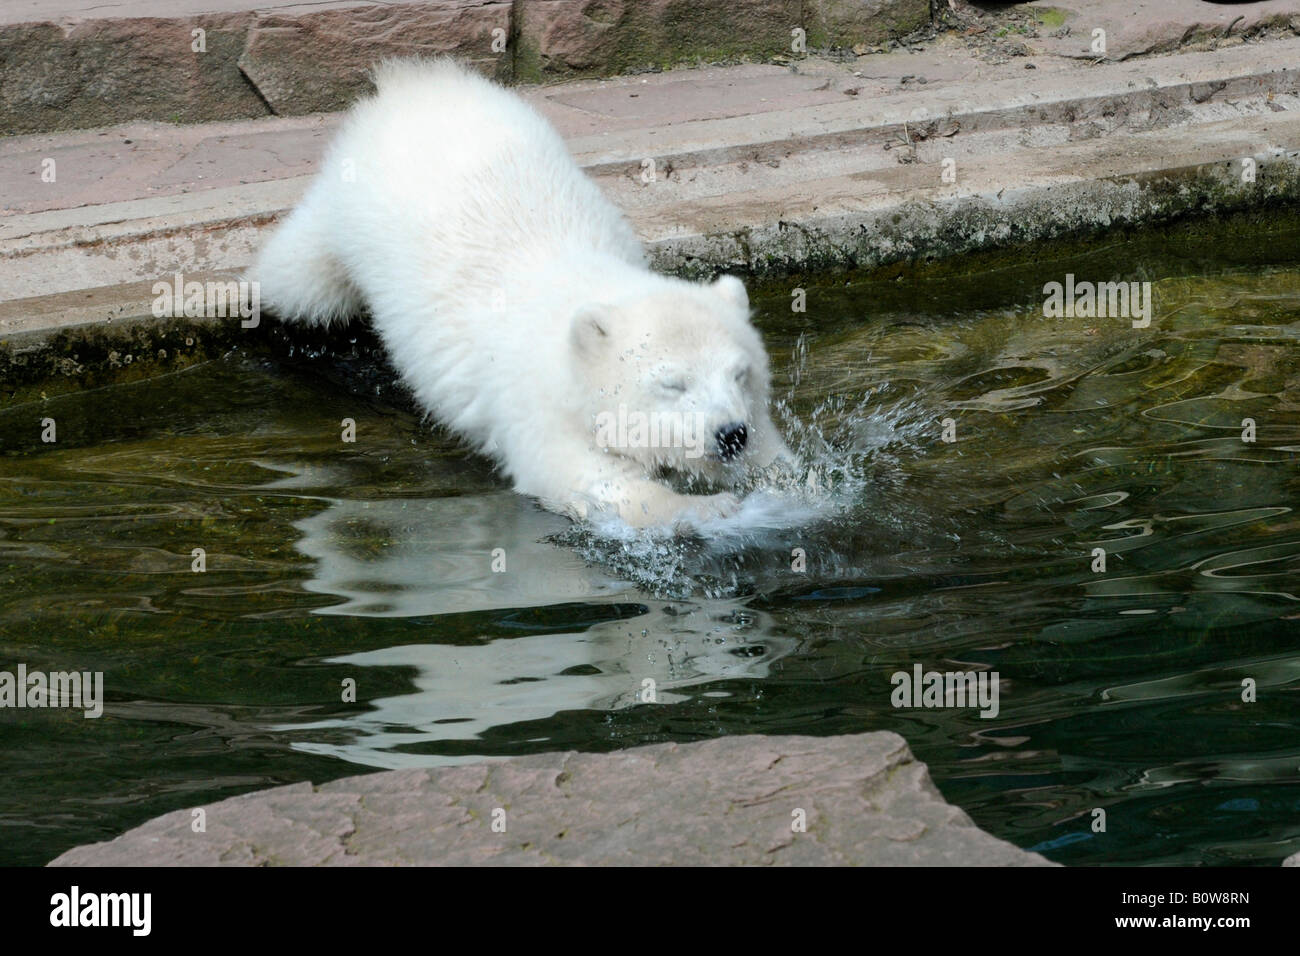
(733, 290)
(590, 328)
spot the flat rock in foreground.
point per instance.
(733, 801)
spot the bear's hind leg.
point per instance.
(299, 277)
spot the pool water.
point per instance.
(372, 561)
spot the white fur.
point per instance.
(515, 299)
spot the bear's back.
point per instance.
(466, 169)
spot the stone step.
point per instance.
(734, 801)
(71, 64)
(75, 64)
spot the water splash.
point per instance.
(851, 452)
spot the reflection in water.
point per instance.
(408, 557)
(417, 558)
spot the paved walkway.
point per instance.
(757, 167)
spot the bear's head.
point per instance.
(673, 375)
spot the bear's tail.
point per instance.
(395, 73)
(299, 278)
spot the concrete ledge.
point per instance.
(868, 220)
(731, 801)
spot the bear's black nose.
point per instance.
(731, 440)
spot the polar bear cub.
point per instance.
(516, 303)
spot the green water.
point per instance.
(372, 561)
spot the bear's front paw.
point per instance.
(651, 505)
(703, 508)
